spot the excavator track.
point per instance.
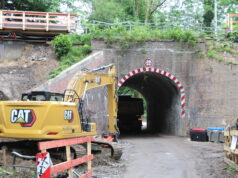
(116, 148)
(79, 150)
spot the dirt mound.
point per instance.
(29, 71)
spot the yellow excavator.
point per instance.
(24, 123)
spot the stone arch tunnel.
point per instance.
(164, 95)
(208, 102)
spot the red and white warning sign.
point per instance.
(149, 63)
(43, 163)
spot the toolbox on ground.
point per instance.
(199, 135)
(215, 134)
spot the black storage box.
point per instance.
(199, 135)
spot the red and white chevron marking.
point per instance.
(162, 72)
(43, 163)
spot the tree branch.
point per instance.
(157, 7)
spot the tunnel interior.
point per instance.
(163, 101)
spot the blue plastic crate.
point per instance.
(216, 128)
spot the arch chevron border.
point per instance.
(164, 73)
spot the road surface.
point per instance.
(172, 157)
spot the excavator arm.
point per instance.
(76, 92)
(84, 81)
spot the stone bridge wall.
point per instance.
(210, 86)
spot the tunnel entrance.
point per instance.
(164, 96)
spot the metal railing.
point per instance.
(199, 28)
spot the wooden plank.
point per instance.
(87, 175)
(226, 133)
(66, 165)
(233, 15)
(68, 156)
(10, 22)
(227, 148)
(89, 163)
(68, 22)
(64, 142)
(47, 22)
(1, 19)
(4, 155)
(24, 21)
(59, 25)
(234, 132)
(36, 18)
(36, 23)
(12, 17)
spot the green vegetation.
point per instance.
(124, 10)
(211, 53)
(5, 172)
(128, 91)
(70, 49)
(12, 173)
(62, 45)
(232, 36)
(30, 5)
(141, 34)
(216, 50)
(231, 168)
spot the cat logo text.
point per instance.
(24, 117)
(68, 115)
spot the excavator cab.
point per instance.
(42, 96)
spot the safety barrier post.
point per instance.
(44, 166)
(68, 20)
(1, 20)
(24, 21)
(68, 156)
(89, 164)
(231, 23)
(47, 22)
(4, 153)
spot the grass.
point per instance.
(70, 49)
(5, 172)
(217, 49)
(137, 35)
(231, 169)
